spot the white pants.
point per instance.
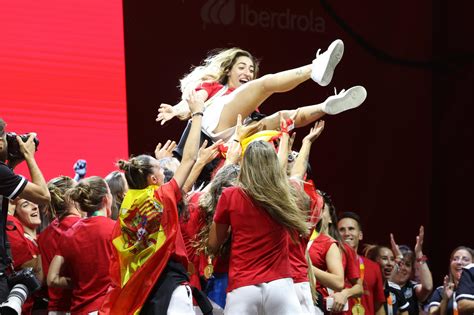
(181, 301)
(303, 292)
(217, 310)
(274, 297)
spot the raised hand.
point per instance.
(315, 131)
(448, 288)
(242, 132)
(395, 249)
(80, 169)
(166, 112)
(419, 243)
(234, 152)
(165, 151)
(206, 155)
(28, 147)
(196, 104)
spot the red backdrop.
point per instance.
(62, 75)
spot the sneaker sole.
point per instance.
(353, 98)
(334, 59)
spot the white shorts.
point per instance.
(274, 297)
(303, 292)
(216, 309)
(181, 301)
(212, 114)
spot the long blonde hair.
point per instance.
(215, 68)
(266, 183)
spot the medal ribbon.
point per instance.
(362, 271)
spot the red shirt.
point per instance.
(259, 249)
(212, 87)
(373, 286)
(87, 248)
(23, 250)
(299, 266)
(317, 253)
(179, 255)
(350, 263)
(190, 229)
(59, 299)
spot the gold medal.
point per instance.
(208, 270)
(358, 309)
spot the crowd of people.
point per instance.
(228, 220)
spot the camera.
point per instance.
(14, 153)
(23, 283)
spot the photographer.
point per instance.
(13, 186)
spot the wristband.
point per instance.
(197, 113)
(422, 259)
(236, 140)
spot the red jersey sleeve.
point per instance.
(352, 270)
(379, 294)
(20, 249)
(211, 87)
(171, 189)
(221, 215)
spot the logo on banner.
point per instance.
(223, 12)
(218, 12)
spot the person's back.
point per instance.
(87, 248)
(259, 250)
(59, 299)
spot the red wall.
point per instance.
(62, 75)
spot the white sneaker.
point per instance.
(324, 64)
(345, 100)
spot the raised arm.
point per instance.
(284, 143)
(36, 190)
(299, 169)
(426, 280)
(181, 110)
(196, 104)
(205, 156)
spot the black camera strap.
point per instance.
(6, 260)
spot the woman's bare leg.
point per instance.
(306, 115)
(302, 117)
(251, 95)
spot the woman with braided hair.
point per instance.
(85, 249)
(65, 215)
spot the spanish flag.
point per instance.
(144, 239)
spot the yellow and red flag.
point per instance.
(144, 238)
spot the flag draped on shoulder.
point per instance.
(144, 238)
